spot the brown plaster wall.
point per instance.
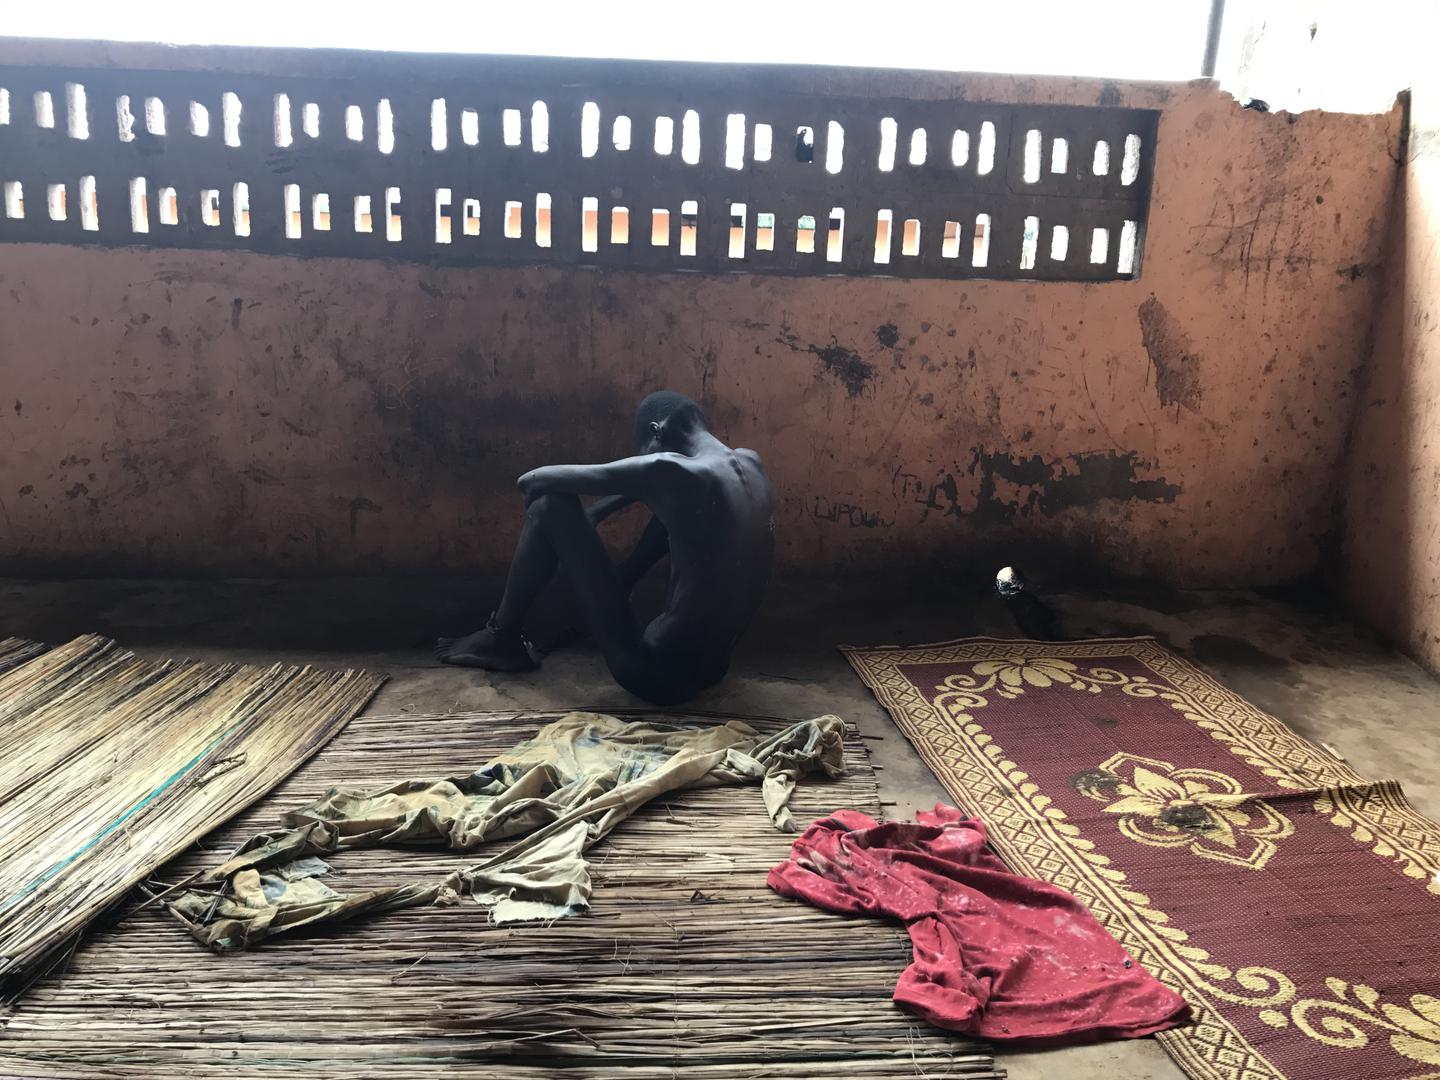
(208, 413)
(1392, 523)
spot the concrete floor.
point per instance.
(1329, 679)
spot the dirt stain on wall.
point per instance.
(1177, 365)
(847, 365)
(1048, 487)
(1008, 487)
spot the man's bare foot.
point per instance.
(488, 649)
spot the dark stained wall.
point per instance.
(205, 412)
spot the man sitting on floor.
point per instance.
(712, 513)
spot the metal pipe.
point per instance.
(1212, 39)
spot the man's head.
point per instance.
(664, 419)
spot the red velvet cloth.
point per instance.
(997, 955)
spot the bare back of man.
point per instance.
(712, 510)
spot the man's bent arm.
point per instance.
(636, 477)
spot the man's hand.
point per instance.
(534, 484)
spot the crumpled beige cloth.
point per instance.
(561, 792)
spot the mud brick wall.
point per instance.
(173, 408)
(1390, 573)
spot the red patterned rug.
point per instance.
(1294, 903)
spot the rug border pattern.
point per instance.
(1036, 837)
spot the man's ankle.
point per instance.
(504, 635)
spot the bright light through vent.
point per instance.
(1136, 39)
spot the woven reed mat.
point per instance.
(110, 765)
(686, 965)
(1294, 903)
